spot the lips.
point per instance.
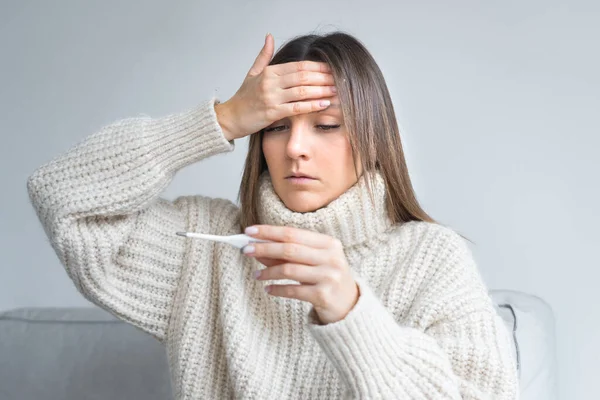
(300, 175)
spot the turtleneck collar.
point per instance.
(351, 217)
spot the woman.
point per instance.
(363, 294)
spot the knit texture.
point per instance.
(424, 326)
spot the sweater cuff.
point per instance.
(367, 310)
(190, 136)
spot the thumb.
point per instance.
(264, 57)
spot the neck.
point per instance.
(352, 217)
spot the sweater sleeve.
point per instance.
(100, 206)
(458, 348)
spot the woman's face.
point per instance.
(315, 146)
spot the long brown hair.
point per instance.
(369, 117)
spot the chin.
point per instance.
(303, 204)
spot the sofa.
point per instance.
(86, 353)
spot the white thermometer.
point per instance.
(238, 241)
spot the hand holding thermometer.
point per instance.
(238, 241)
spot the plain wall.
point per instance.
(497, 102)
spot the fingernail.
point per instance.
(251, 230)
(268, 289)
(248, 249)
(334, 89)
(256, 274)
(324, 103)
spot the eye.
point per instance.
(328, 127)
(322, 127)
(273, 129)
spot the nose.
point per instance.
(299, 142)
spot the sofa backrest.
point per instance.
(78, 353)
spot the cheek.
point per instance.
(339, 161)
(336, 152)
(269, 148)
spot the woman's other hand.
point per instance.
(273, 92)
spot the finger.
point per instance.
(288, 234)
(306, 92)
(296, 66)
(291, 252)
(306, 78)
(295, 272)
(269, 262)
(301, 107)
(300, 292)
(264, 57)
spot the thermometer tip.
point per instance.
(181, 233)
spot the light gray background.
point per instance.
(497, 101)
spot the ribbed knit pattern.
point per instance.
(424, 326)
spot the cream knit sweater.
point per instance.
(424, 326)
